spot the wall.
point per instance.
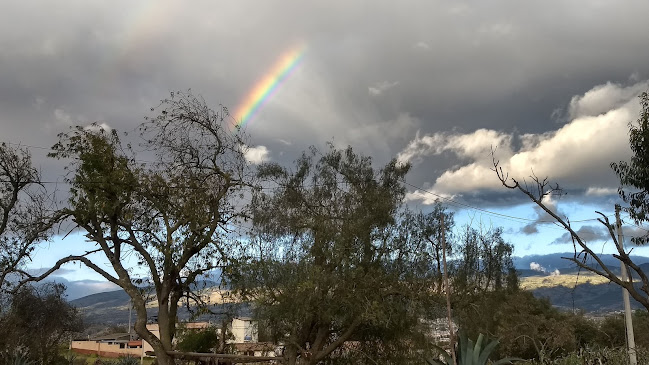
(103, 349)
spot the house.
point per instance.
(245, 335)
(244, 330)
(111, 345)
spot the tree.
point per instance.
(24, 217)
(203, 340)
(174, 216)
(484, 263)
(40, 319)
(634, 175)
(334, 274)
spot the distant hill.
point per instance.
(573, 288)
(600, 298)
(553, 261)
(112, 308)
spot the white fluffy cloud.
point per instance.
(257, 155)
(576, 154)
(538, 267)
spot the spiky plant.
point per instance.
(470, 353)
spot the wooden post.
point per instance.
(630, 339)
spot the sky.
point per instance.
(552, 85)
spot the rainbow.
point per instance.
(267, 85)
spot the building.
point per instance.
(111, 345)
(244, 330)
(245, 335)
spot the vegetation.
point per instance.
(332, 265)
(469, 353)
(174, 215)
(25, 217)
(38, 321)
(205, 340)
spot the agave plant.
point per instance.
(470, 353)
(18, 357)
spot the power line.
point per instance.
(486, 211)
(441, 197)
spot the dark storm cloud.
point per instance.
(374, 72)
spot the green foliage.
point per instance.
(198, 340)
(333, 260)
(173, 215)
(593, 355)
(19, 356)
(470, 353)
(633, 174)
(40, 320)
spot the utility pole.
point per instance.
(448, 291)
(633, 360)
(130, 308)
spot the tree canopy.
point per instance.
(164, 223)
(333, 265)
(25, 211)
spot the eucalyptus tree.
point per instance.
(173, 216)
(336, 272)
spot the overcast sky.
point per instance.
(552, 84)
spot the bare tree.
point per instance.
(25, 218)
(537, 190)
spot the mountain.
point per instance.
(554, 261)
(112, 308)
(599, 298)
(572, 288)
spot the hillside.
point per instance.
(573, 288)
(113, 307)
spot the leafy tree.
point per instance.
(427, 228)
(174, 215)
(332, 265)
(632, 175)
(24, 216)
(485, 262)
(204, 340)
(40, 320)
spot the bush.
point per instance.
(198, 341)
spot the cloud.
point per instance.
(538, 267)
(603, 98)
(422, 45)
(427, 197)
(529, 229)
(587, 233)
(257, 155)
(541, 216)
(96, 127)
(381, 87)
(595, 191)
(576, 154)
